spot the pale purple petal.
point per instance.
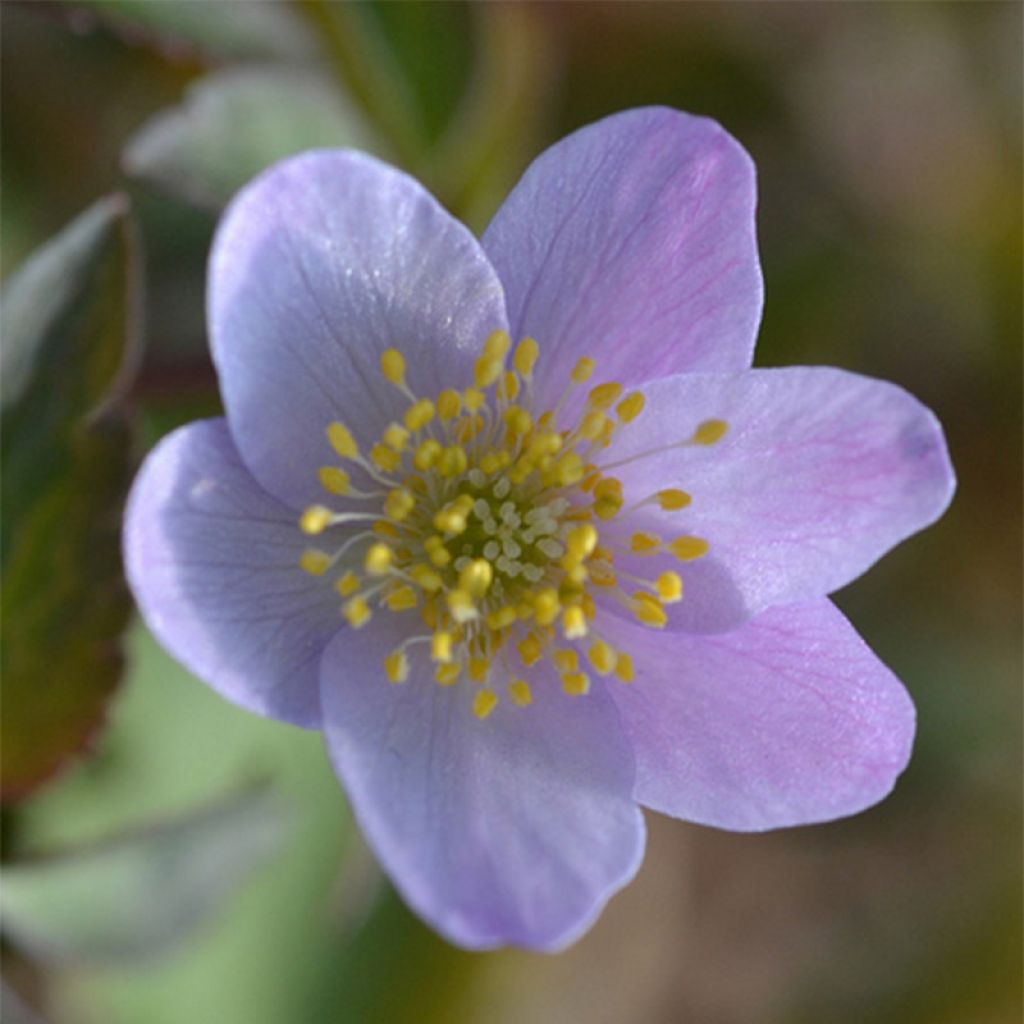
(820, 473)
(319, 265)
(632, 240)
(213, 562)
(789, 720)
(513, 830)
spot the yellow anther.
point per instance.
(574, 623)
(583, 369)
(392, 365)
(484, 703)
(602, 576)
(546, 606)
(333, 480)
(631, 406)
(672, 499)
(473, 399)
(566, 660)
(576, 684)
(581, 541)
(399, 503)
(669, 587)
(508, 386)
(688, 548)
(648, 610)
(396, 665)
(592, 425)
(529, 650)
(568, 470)
(526, 355)
(710, 432)
(501, 618)
(452, 461)
(385, 458)
(449, 404)
(441, 647)
(604, 396)
(395, 436)
(348, 584)
(608, 487)
(316, 563)
(357, 611)
(519, 692)
(588, 606)
(419, 414)
(644, 543)
(315, 519)
(478, 669)
(450, 520)
(486, 371)
(438, 554)
(342, 441)
(603, 657)
(402, 599)
(497, 344)
(624, 668)
(461, 606)
(607, 507)
(446, 675)
(426, 455)
(425, 578)
(428, 612)
(518, 419)
(378, 559)
(476, 577)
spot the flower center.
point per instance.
(481, 523)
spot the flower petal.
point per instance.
(319, 265)
(213, 562)
(819, 474)
(512, 830)
(632, 241)
(789, 720)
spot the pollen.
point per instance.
(342, 441)
(315, 519)
(484, 703)
(487, 524)
(396, 667)
(392, 365)
(334, 480)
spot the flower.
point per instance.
(515, 524)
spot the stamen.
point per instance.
(489, 525)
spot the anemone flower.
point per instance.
(515, 524)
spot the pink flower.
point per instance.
(563, 553)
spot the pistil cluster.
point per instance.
(480, 522)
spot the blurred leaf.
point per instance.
(134, 896)
(503, 120)
(69, 351)
(221, 28)
(364, 64)
(235, 123)
(431, 49)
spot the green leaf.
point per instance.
(223, 28)
(502, 122)
(69, 352)
(135, 896)
(236, 122)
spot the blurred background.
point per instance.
(171, 859)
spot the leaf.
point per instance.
(225, 28)
(503, 120)
(69, 351)
(233, 124)
(136, 895)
